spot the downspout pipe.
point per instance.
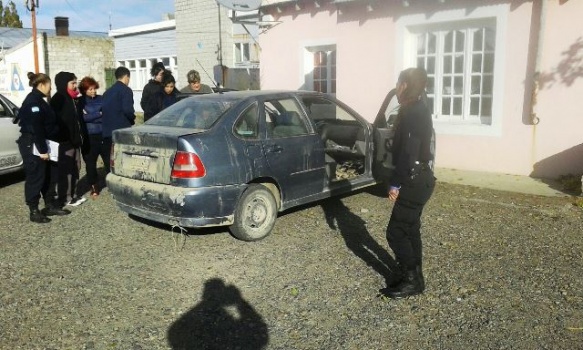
(534, 118)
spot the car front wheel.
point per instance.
(255, 214)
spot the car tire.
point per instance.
(255, 214)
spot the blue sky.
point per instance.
(94, 15)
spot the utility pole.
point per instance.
(221, 48)
(31, 5)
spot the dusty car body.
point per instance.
(238, 158)
(10, 158)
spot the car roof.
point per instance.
(240, 95)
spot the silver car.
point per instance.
(10, 159)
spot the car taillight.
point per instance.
(187, 165)
(112, 157)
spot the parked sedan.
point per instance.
(238, 158)
(10, 159)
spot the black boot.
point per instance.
(412, 284)
(53, 209)
(37, 216)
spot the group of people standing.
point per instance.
(161, 92)
(81, 122)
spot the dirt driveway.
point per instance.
(503, 271)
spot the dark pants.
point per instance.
(404, 229)
(36, 174)
(106, 153)
(96, 149)
(64, 175)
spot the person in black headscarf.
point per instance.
(72, 137)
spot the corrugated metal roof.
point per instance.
(11, 37)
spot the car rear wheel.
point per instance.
(255, 214)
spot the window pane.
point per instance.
(460, 38)
(446, 85)
(457, 106)
(458, 85)
(333, 87)
(333, 73)
(166, 61)
(490, 39)
(318, 86)
(448, 42)
(421, 44)
(317, 73)
(142, 63)
(477, 63)
(432, 43)
(430, 65)
(447, 64)
(323, 87)
(488, 82)
(476, 80)
(459, 64)
(446, 106)
(478, 40)
(475, 106)
(430, 85)
(132, 64)
(333, 57)
(323, 73)
(420, 62)
(489, 63)
(486, 107)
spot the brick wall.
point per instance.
(81, 56)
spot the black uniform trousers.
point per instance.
(36, 172)
(96, 149)
(404, 229)
(106, 144)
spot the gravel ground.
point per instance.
(503, 271)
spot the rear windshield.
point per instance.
(191, 113)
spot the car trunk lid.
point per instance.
(146, 152)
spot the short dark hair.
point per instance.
(157, 68)
(86, 83)
(121, 72)
(168, 78)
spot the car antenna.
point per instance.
(207, 74)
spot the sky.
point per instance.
(94, 15)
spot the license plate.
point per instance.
(138, 162)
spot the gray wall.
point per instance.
(197, 34)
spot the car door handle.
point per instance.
(273, 148)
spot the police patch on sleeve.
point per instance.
(35, 109)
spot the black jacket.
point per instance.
(148, 101)
(71, 125)
(36, 117)
(412, 141)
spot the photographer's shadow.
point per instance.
(358, 239)
(222, 320)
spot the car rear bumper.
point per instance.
(186, 207)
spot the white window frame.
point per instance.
(307, 50)
(408, 27)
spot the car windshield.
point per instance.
(191, 113)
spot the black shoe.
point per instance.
(53, 210)
(38, 217)
(412, 284)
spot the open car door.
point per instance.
(383, 134)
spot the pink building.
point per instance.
(506, 77)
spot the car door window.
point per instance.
(283, 118)
(247, 126)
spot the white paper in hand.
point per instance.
(53, 150)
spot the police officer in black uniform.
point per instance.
(412, 183)
(38, 123)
